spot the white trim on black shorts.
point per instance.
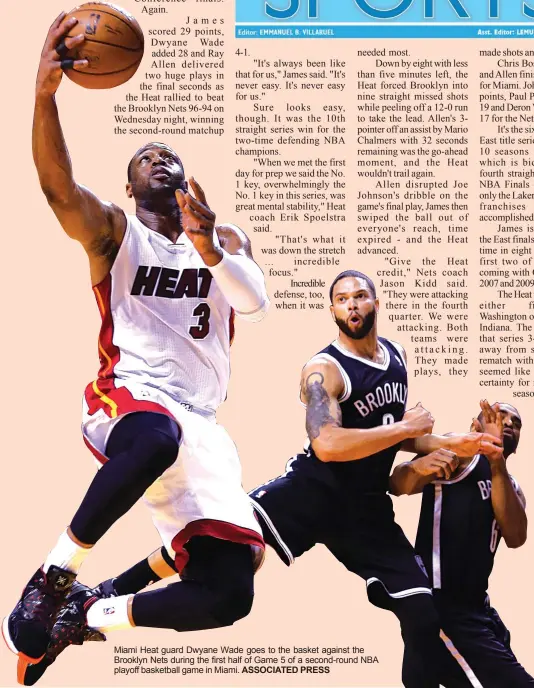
(402, 593)
(273, 530)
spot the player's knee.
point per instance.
(151, 441)
(234, 605)
(164, 449)
(160, 446)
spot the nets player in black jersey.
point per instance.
(335, 493)
(462, 521)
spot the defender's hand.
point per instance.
(198, 222)
(418, 421)
(491, 418)
(474, 442)
(440, 464)
(492, 424)
(53, 56)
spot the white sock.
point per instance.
(110, 614)
(66, 554)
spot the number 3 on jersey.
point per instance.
(202, 328)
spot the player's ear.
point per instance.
(377, 304)
(332, 312)
(129, 192)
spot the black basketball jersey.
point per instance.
(374, 394)
(458, 535)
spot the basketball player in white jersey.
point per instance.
(167, 283)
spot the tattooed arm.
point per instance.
(321, 386)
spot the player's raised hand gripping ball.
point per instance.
(113, 46)
(56, 45)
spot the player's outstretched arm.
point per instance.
(411, 477)
(462, 444)
(321, 387)
(97, 225)
(226, 251)
(467, 444)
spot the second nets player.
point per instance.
(463, 519)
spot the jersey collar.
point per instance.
(373, 364)
(467, 470)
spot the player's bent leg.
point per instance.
(141, 447)
(218, 590)
(71, 629)
(155, 567)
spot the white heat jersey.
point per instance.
(165, 323)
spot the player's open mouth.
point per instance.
(354, 319)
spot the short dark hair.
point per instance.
(353, 273)
(149, 145)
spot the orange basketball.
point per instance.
(113, 45)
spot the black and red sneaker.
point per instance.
(70, 629)
(27, 629)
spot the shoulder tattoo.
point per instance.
(318, 406)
